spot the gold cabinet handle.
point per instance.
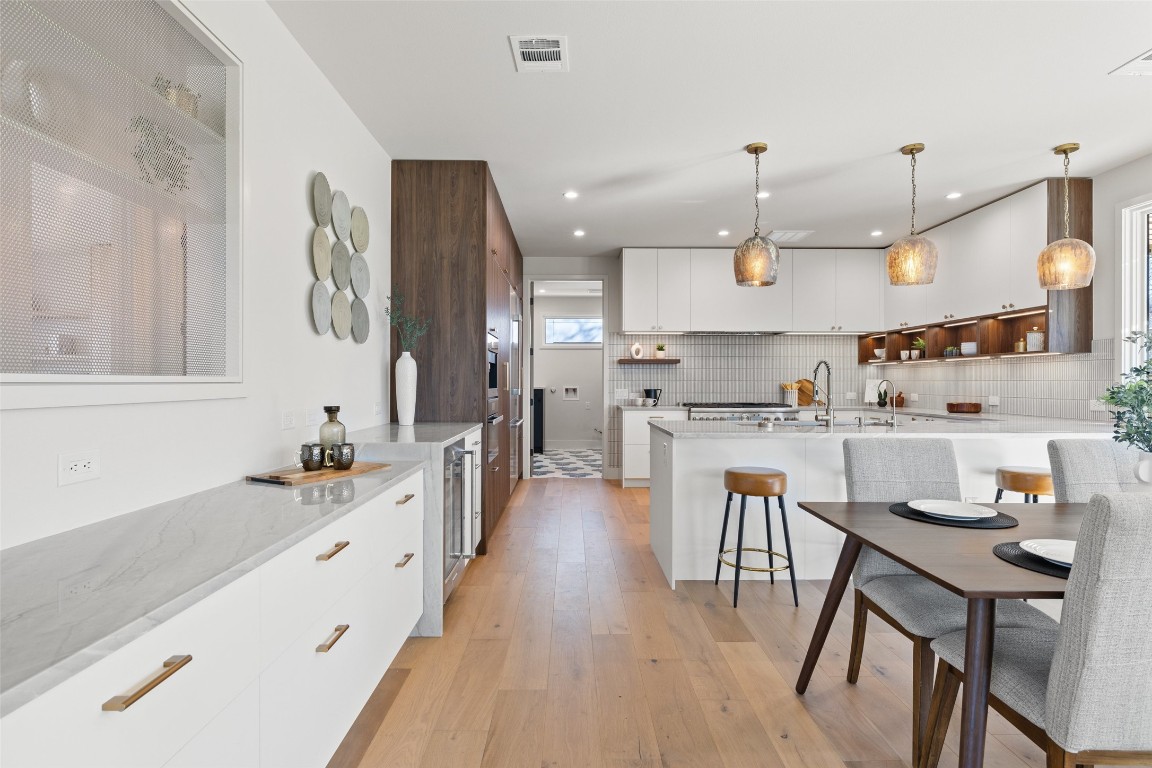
(337, 548)
(407, 498)
(407, 556)
(336, 635)
(121, 703)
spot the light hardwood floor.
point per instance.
(565, 647)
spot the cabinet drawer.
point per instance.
(68, 727)
(232, 739)
(309, 699)
(636, 461)
(636, 422)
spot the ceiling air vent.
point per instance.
(789, 235)
(534, 53)
(1141, 65)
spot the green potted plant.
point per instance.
(1131, 406)
(409, 328)
(660, 350)
(918, 345)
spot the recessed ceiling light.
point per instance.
(543, 290)
(763, 194)
(579, 233)
(953, 195)
(723, 233)
(571, 194)
(876, 233)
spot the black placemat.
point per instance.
(1011, 552)
(901, 509)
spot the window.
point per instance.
(1135, 276)
(573, 331)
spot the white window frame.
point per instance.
(572, 316)
(21, 391)
(1133, 282)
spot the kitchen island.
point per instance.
(688, 459)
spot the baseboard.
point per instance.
(570, 445)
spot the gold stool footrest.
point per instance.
(743, 567)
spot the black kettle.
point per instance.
(653, 395)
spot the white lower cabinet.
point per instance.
(635, 467)
(232, 740)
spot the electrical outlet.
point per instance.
(993, 401)
(312, 418)
(288, 420)
(850, 396)
(587, 405)
(913, 398)
(1096, 405)
(621, 394)
(77, 586)
(78, 466)
(377, 408)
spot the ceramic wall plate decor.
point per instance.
(361, 281)
(322, 200)
(321, 308)
(341, 266)
(341, 315)
(341, 215)
(359, 229)
(321, 254)
(359, 321)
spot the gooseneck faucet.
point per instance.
(827, 391)
(891, 399)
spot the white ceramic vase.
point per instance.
(636, 351)
(405, 389)
(1143, 468)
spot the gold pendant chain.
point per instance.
(756, 229)
(1066, 195)
(913, 230)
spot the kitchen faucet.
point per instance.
(828, 413)
(891, 400)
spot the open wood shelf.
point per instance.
(648, 361)
(995, 336)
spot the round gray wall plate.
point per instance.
(321, 254)
(341, 315)
(359, 229)
(321, 308)
(341, 266)
(359, 321)
(361, 280)
(322, 199)
(341, 215)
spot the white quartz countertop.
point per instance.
(146, 566)
(908, 424)
(437, 432)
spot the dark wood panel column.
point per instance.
(1070, 312)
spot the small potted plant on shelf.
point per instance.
(918, 345)
(951, 351)
(1131, 402)
(659, 351)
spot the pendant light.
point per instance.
(757, 259)
(912, 259)
(1067, 263)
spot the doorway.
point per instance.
(566, 350)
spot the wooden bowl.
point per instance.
(963, 407)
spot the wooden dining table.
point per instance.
(959, 560)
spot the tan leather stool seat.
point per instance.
(1034, 480)
(755, 481)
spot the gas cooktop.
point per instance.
(734, 406)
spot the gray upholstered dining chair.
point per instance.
(901, 469)
(1081, 468)
(1082, 690)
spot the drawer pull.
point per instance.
(407, 556)
(337, 548)
(407, 498)
(121, 703)
(336, 635)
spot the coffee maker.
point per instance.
(653, 394)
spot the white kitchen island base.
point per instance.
(688, 460)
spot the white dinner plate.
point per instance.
(1059, 551)
(951, 510)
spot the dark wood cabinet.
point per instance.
(455, 260)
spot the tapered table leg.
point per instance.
(844, 566)
(977, 675)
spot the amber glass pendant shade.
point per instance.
(1067, 263)
(757, 262)
(912, 261)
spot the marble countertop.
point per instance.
(908, 424)
(437, 432)
(146, 566)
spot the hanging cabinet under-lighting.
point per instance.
(757, 259)
(1066, 263)
(912, 258)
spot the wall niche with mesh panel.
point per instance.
(119, 150)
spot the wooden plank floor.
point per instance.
(565, 647)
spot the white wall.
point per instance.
(294, 124)
(1110, 191)
(569, 423)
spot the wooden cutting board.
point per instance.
(297, 476)
(804, 394)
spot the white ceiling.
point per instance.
(650, 124)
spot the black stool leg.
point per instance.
(788, 549)
(768, 521)
(739, 550)
(723, 536)
(999, 493)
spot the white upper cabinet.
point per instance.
(657, 289)
(719, 304)
(859, 295)
(1029, 211)
(986, 283)
(814, 290)
(778, 300)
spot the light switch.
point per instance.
(993, 400)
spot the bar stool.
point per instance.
(1030, 481)
(756, 481)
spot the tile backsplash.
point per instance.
(751, 368)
